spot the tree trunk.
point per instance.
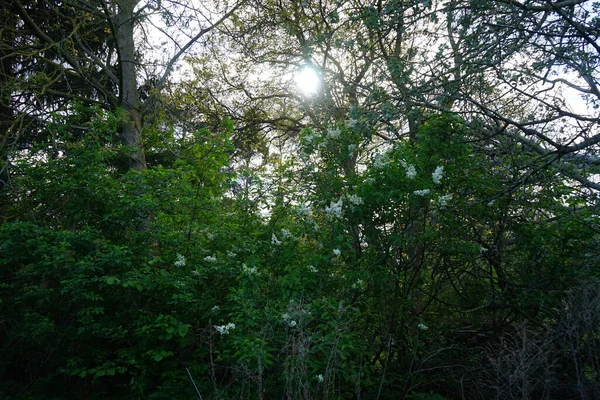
(131, 128)
(6, 112)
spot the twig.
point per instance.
(193, 383)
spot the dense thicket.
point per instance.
(424, 226)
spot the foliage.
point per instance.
(400, 235)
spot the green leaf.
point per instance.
(183, 330)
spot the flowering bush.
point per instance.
(351, 268)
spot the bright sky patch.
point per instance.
(307, 80)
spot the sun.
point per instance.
(308, 80)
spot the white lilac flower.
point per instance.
(380, 161)
(231, 254)
(180, 261)
(443, 200)
(248, 270)
(482, 249)
(333, 133)
(274, 240)
(423, 192)
(438, 174)
(285, 316)
(196, 272)
(304, 210)
(224, 329)
(286, 234)
(335, 209)
(292, 323)
(370, 180)
(351, 123)
(320, 378)
(312, 269)
(411, 171)
(358, 284)
(210, 258)
(354, 199)
(422, 326)
(337, 252)
(210, 236)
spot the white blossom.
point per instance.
(285, 316)
(443, 200)
(304, 210)
(337, 252)
(354, 199)
(309, 138)
(210, 236)
(292, 323)
(180, 261)
(311, 268)
(437, 174)
(320, 378)
(370, 180)
(351, 123)
(422, 326)
(286, 234)
(411, 171)
(274, 240)
(248, 270)
(423, 192)
(380, 161)
(210, 258)
(335, 209)
(358, 284)
(224, 329)
(231, 254)
(196, 272)
(333, 133)
(482, 249)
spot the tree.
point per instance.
(95, 44)
(540, 58)
(493, 63)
